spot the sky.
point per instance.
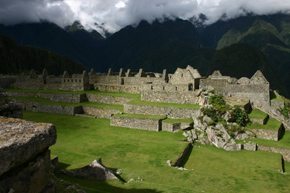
(113, 15)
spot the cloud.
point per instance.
(113, 15)
(18, 11)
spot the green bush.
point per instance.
(218, 102)
(210, 112)
(240, 116)
(285, 112)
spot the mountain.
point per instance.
(156, 46)
(174, 43)
(269, 33)
(17, 59)
(245, 60)
(51, 37)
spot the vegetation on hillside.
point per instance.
(16, 59)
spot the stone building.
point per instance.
(256, 89)
(77, 82)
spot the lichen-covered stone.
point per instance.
(22, 140)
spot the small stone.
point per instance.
(169, 162)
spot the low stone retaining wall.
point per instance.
(260, 121)
(134, 89)
(285, 152)
(105, 99)
(170, 112)
(100, 112)
(174, 127)
(137, 123)
(6, 81)
(170, 97)
(171, 127)
(269, 134)
(46, 108)
(266, 134)
(68, 98)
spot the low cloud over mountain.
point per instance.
(113, 15)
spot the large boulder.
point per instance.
(24, 155)
(95, 171)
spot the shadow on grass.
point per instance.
(63, 165)
(186, 156)
(92, 186)
(281, 132)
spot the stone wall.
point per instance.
(277, 104)
(185, 97)
(260, 121)
(269, 134)
(48, 108)
(68, 98)
(171, 127)
(257, 93)
(100, 112)
(137, 123)
(25, 158)
(170, 112)
(143, 80)
(6, 81)
(285, 152)
(106, 99)
(134, 89)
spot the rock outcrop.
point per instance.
(94, 171)
(25, 157)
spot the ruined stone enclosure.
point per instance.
(160, 102)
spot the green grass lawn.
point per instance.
(143, 153)
(257, 114)
(272, 124)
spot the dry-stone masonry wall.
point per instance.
(184, 97)
(268, 133)
(105, 99)
(47, 108)
(68, 98)
(134, 89)
(25, 158)
(170, 112)
(100, 112)
(285, 152)
(137, 123)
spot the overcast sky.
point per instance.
(115, 14)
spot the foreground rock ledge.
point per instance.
(25, 156)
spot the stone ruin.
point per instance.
(181, 87)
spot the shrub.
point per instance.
(218, 102)
(240, 116)
(285, 112)
(210, 112)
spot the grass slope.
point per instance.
(142, 153)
